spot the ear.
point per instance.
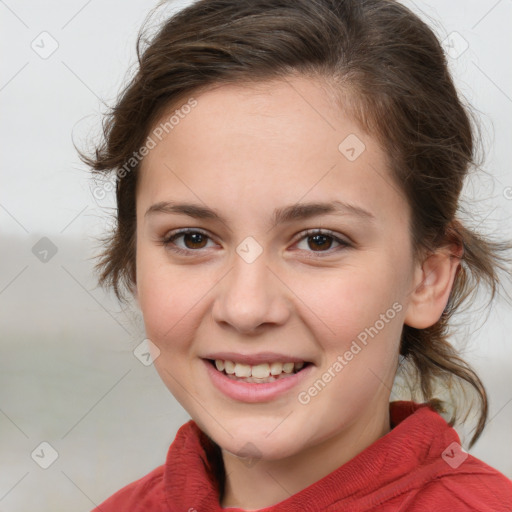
(433, 283)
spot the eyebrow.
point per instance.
(299, 211)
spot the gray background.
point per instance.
(68, 375)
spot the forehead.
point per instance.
(274, 142)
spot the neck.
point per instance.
(264, 483)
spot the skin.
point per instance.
(244, 151)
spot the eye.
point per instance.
(316, 240)
(193, 239)
(321, 241)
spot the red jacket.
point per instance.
(417, 466)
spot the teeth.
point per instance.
(288, 367)
(242, 370)
(229, 366)
(258, 371)
(276, 368)
(261, 371)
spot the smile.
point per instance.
(259, 382)
(259, 373)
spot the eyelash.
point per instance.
(168, 240)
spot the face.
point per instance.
(296, 250)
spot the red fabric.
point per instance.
(415, 467)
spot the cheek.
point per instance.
(346, 305)
(159, 301)
(170, 300)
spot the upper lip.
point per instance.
(254, 359)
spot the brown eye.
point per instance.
(320, 242)
(193, 241)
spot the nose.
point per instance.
(250, 296)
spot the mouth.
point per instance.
(260, 377)
(261, 373)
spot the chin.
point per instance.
(256, 439)
(261, 449)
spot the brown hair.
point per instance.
(393, 68)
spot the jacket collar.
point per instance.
(193, 475)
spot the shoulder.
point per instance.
(147, 493)
(471, 486)
(429, 470)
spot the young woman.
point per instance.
(288, 177)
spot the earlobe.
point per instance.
(433, 283)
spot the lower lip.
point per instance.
(252, 392)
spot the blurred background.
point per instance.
(80, 414)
